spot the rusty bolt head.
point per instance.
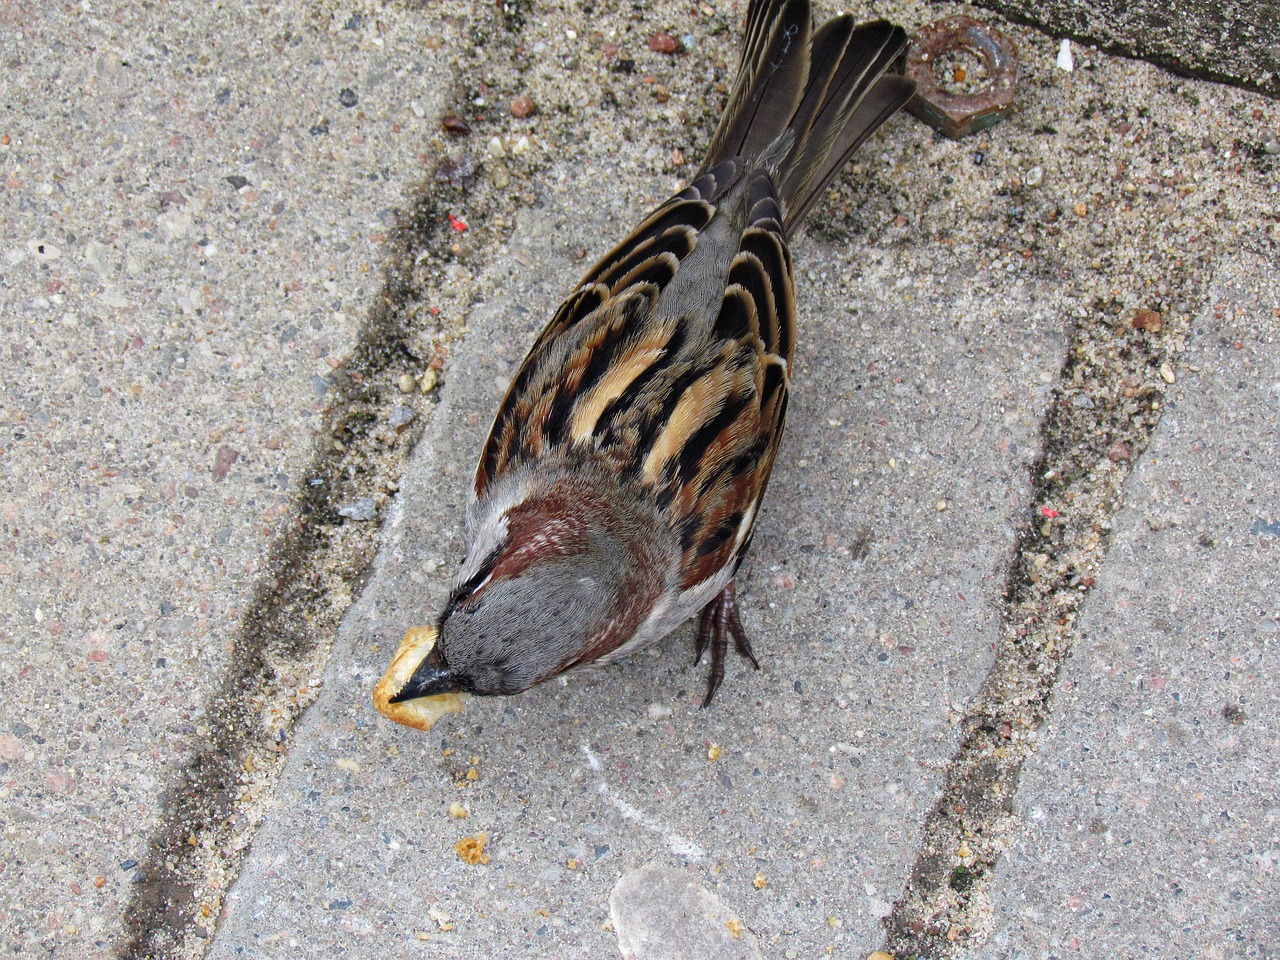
(958, 115)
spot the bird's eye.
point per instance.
(471, 584)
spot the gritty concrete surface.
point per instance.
(165, 326)
(1151, 812)
(875, 589)
(192, 227)
(829, 758)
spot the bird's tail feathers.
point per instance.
(770, 82)
(805, 101)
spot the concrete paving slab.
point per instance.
(1151, 812)
(928, 355)
(154, 305)
(1239, 44)
(873, 594)
(192, 225)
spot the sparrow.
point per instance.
(618, 489)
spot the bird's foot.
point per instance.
(719, 622)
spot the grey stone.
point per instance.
(661, 913)
(366, 508)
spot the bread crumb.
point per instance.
(471, 849)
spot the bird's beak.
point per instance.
(430, 678)
(417, 687)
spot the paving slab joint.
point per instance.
(1107, 402)
(314, 572)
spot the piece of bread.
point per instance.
(421, 713)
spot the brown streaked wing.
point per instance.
(537, 415)
(646, 259)
(730, 481)
(715, 474)
(766, 252)
(678, 220)
(692, 411)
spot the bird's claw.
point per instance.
(720, 621)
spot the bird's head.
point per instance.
(558, 573)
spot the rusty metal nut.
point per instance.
(958, 115)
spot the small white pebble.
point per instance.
(1066, 60)
(43, 251)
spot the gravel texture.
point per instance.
(196, 214)
(184, 261)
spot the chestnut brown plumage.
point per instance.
(620, 484)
